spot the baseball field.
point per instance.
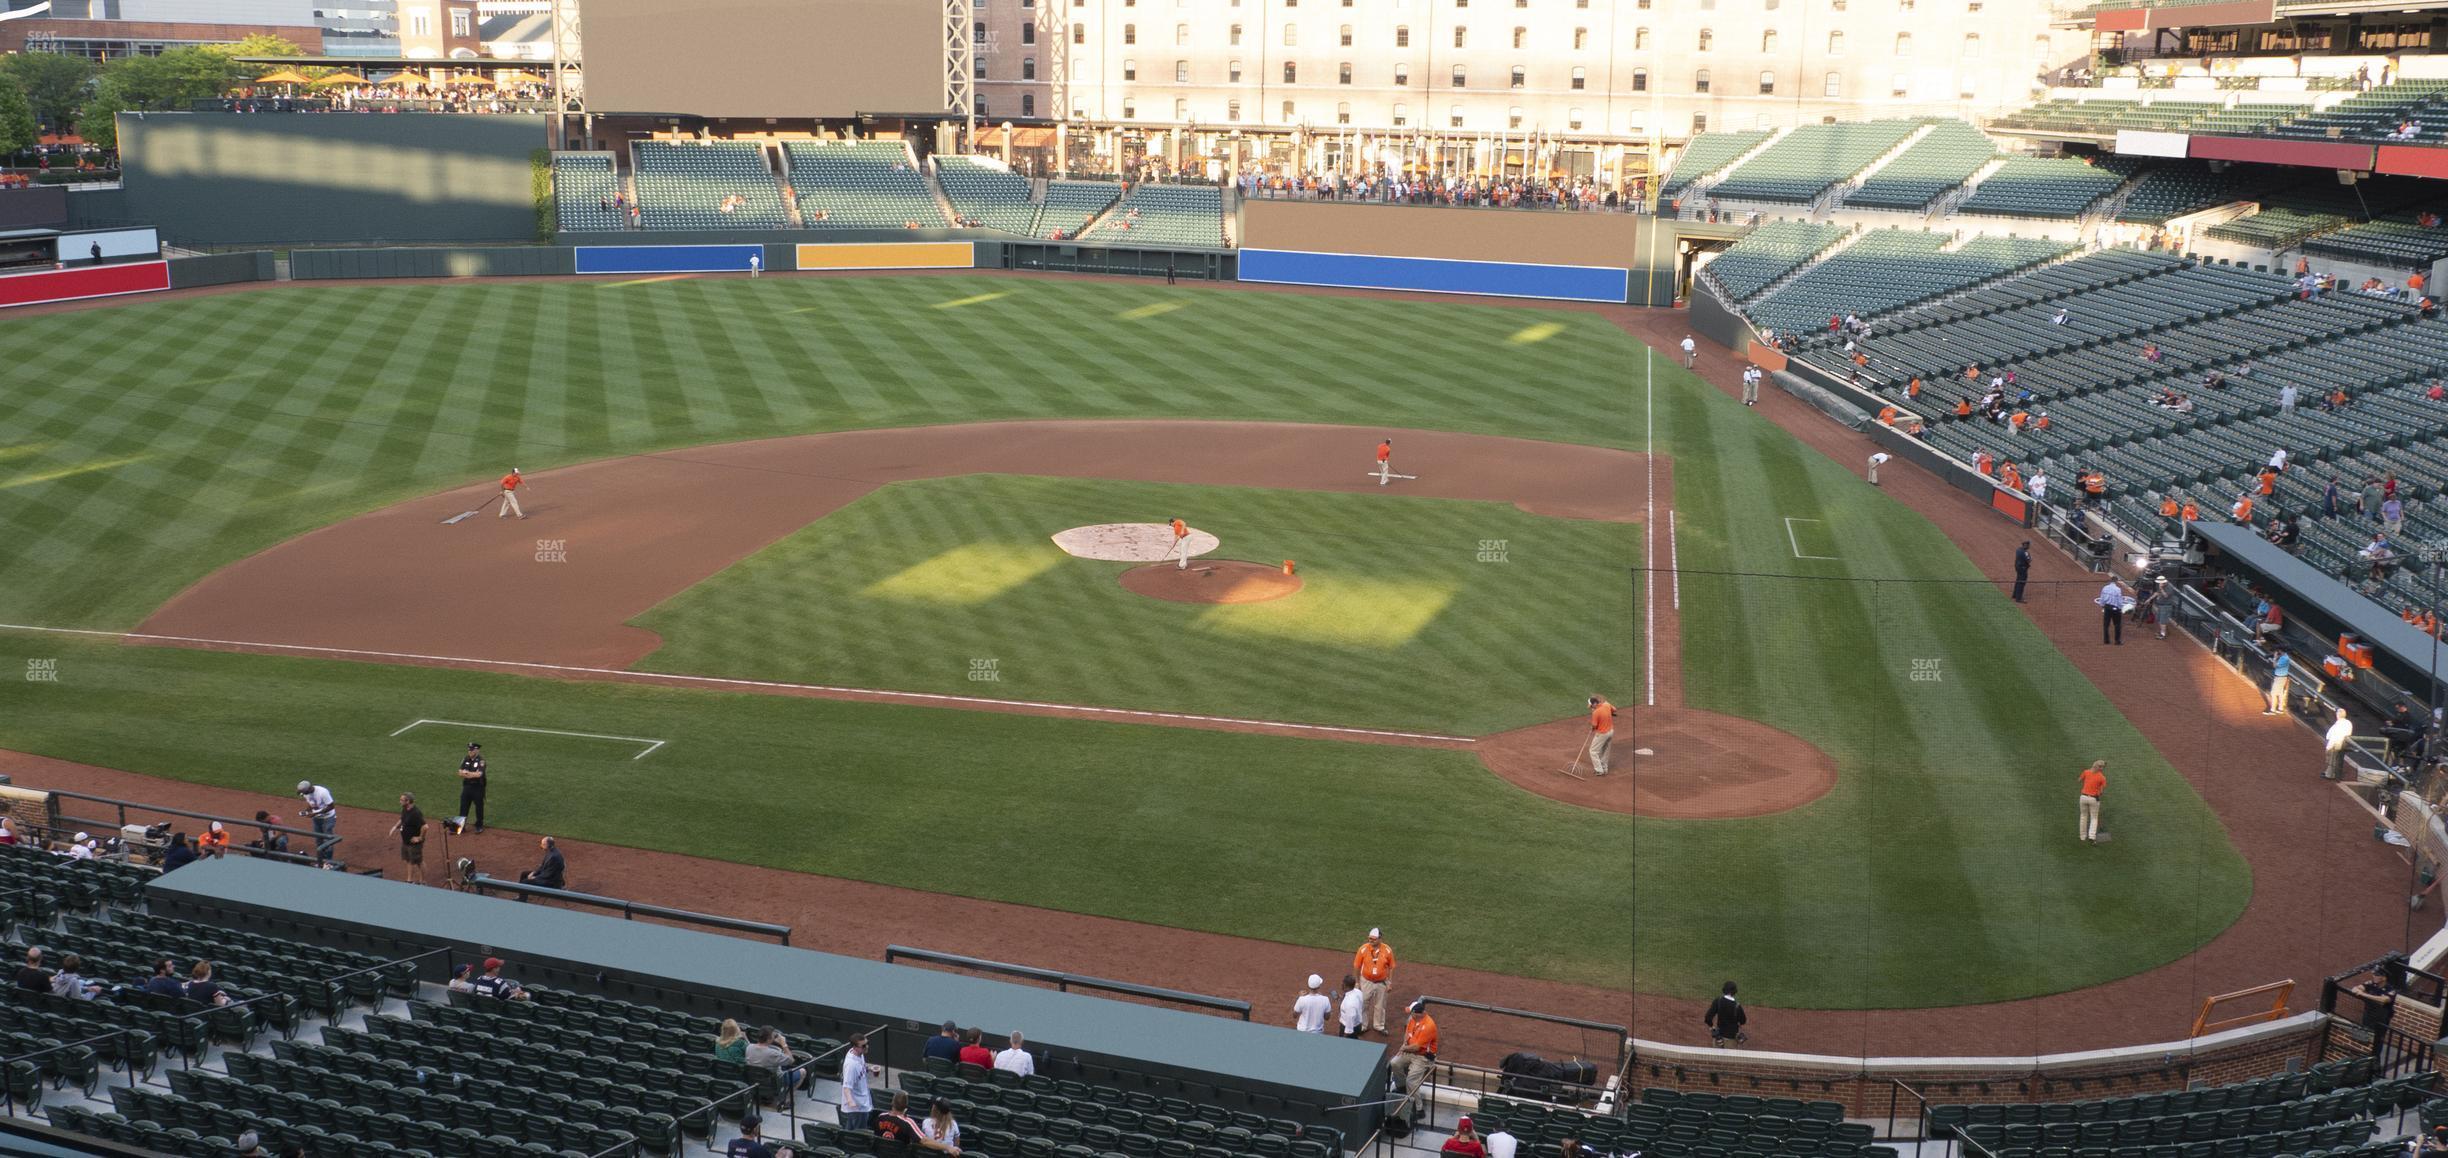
(825, 507)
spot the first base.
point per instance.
(1644, 751)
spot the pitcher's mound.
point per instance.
(1700, 766)
(1129, 542)
(1218, 581)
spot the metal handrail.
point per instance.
(1063, 982)
(631, 910)
(124, 805)
(1921, 1118)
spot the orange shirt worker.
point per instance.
(2094, 784)
(1602, 733)
(510, 504)
(1419, 1050)
(1385, 461)
(1181, 543)
(1374, 966)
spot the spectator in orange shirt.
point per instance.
(1419, 1050)
(2192, 511)
(2094, 783)
(2242, 510)
(2019, 420)
(2269, 481)
(214, 842)
(1887, 415)
(2168, 507)
(2040, 420)
(1982, 462)
(1912, 389)
(2010, 478)
(1374, 966)
(1963, 408)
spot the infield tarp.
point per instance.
(97, 281)
(1575, 283)
(667, 258)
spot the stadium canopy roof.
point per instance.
(2303, 586)
(2142, 15)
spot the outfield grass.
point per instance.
(1941, 870)
(1399, 624)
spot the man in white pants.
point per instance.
(1181, 543)
(1876, 461)
(1751, 385)
(510, 504)
(1691, 352)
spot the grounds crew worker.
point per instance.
(1374, 965)
(472, 787)
(510, 485)
(1181, 542)
(1602, 733)
(1385, 461)
(1419, 1050)
(2094, 784)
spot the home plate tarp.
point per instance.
(1130, 542)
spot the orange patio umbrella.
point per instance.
(343, 77)
(284, 76)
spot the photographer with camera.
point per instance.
(410, 829)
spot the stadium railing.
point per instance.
(1066, 982)
(63, 821)
(628, 909)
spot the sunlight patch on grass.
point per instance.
(967, 575)
(1535, 333)
(27, 480)
(1378, 613)
(973, 299)
(1150, 310)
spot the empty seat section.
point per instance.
(688, 184)
(861, 185)
(583, 188)
(988, 193)
(1932, 167)
(1768, 253)
(1812, 159)
(2052, 187)
(1704, 156)
(1150, 214)
(1070, 205)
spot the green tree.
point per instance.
(54, 83)
(18, 132)
(97, 119)
(258, 44)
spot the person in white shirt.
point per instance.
(1876, 461)
(1691, 352)
(1352, 1012)
(1751, 385)
(857, 1102)
(82, 848)
(2037, 486)
(2060, 319)
(1016, 1059)
(2278, 460)
(2112, 612)
(1500, 1144)
(2340, 731)
(2286, 397)
(323, 814)
(1309, 1010)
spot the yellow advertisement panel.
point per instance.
(889, 255)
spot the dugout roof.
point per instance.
(540, 940)
(2303, 586)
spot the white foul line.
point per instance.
(1674, 559)
(651, 744)
(1649, 515)
(722, 681)
(1797, 543)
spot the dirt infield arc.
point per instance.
(606, 540)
